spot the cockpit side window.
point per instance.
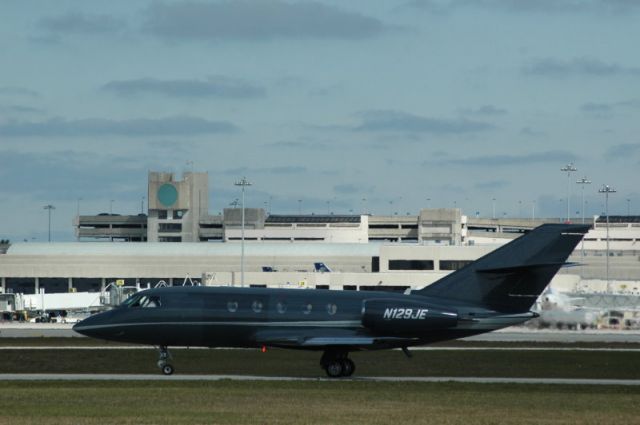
(129, 302)
(144, 301)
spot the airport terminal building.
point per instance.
(179, 239)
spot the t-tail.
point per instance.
(321, 268)
(511, 278)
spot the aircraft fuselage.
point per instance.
(292, 318)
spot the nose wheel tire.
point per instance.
(167, 369)
(164, 356)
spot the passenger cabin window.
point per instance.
(281, 307)
(256, 306)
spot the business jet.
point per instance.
(493, 292)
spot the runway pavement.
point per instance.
(38, 330)
(158, 377)
(424, 348)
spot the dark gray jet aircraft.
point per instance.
(493, 292)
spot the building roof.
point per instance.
(313, 219)
(194, 249)
(619, 219)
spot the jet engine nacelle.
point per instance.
(396, 317)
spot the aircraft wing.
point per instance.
(312, 340)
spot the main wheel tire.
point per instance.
(167, 369)
(348, 367)
(334, 369)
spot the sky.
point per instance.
(384, 107)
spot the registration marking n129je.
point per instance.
(405, 313)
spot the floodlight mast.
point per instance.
(569, 168)
(606, 189)
(583, 181)
(242, 183)
(49, 207)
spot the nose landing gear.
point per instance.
(336, 364)
(163, 361)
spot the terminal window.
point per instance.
(453, 264)
(410, 264)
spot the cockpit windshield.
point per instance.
(142, 301)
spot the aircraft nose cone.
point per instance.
(93, 326)
(83, 326)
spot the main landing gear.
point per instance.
(337, 364)
(163, 361)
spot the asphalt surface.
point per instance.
(37, 330)
(426, 348)
(158, 377)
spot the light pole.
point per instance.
(299, 206)
(427, 206)
(560, 202)
(142, 205)
(78, 215)
(582, 182)
(519, 209)
(493, 207)
(533, 211)
(364, 206)
(49, 207)
(111, 207)
(569, 168)
(628, 207)
(606, 189)
(242, 183)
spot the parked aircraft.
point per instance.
(322, 268)
(495, 291)
(560, 310)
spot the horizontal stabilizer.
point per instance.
(523, 267)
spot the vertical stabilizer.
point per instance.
(512, 277)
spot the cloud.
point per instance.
(583, 66)
(621, 151)
(614, 7)
(492, 185)
(66, 175)
(346, 189)
(217, 86)
(266, 170)
(18, 91)
(597, 108)
(484, 110)
(396, 121)
(528, 131)
(78, 23)
(263, 20)
(141, 127)
(19, 109)
(606, 110)
(508, 160)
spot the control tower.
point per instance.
(176, 206)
